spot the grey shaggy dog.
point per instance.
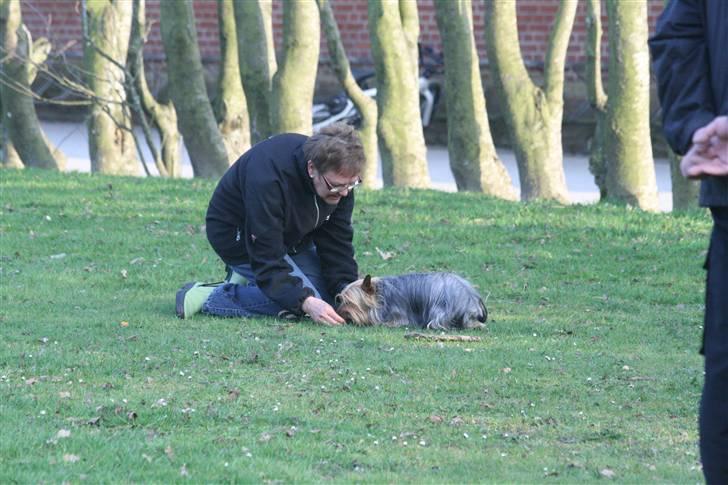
(424, 300)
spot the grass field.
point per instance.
(588, 369)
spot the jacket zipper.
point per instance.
(318, 212)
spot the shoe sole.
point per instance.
(180, 300)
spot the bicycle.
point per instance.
(341, 108)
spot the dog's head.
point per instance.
(357, 299)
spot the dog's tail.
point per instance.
(483, 316)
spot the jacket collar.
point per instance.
(301, 164)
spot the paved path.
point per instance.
(72, 139)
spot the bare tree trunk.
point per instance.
(25, 142)
(366, 106)
(411, 29)
(111, 144)
(628, 149)
(595, 93)
(231, 110)
(473, 159)
(257, 61)
(685, 192)
(9, 158)
(401, 140)
(533, 115)
(164, 116)
(294, 82)
(188, 92)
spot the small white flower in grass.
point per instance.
(68, 458)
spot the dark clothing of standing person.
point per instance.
(690, 56)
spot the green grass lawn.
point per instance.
(588, 369)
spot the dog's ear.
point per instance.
(367, 285)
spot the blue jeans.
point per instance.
(247, 300)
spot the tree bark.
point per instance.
(533, 115)
(294, 82)
(628, 149)
(164, 116)
(9, 158)
(231, 110)
(366, 106)
(685, 192)
(111, 145)
(399, 127)
(473, 159)
(595, 93)
(188, 92)
(257, 61)
(25, 143)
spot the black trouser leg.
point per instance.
(714, 403)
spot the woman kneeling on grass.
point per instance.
(280, 219)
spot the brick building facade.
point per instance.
(60, 21)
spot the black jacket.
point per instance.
(265, 206)
(690, 56)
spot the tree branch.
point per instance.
(556, 54)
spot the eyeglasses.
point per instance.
(335, 189)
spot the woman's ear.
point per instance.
(310, 168)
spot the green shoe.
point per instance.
(191, 297)
(237, 279)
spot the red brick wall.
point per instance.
(60, 21)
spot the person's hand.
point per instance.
(709, 153)
(712, 139)
(321, 312)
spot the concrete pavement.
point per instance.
(72, 139)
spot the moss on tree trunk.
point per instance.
(164, 116)
(295, 79)
(24, 142)
(111, 145)
(231, 109)
(399, 127)
(257, 62)
(533, 115)
(628, 149)
(685, 192)
(188, 92)
(366, 106)
(473, 159)
(595, 93)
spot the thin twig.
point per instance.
(441, 338)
